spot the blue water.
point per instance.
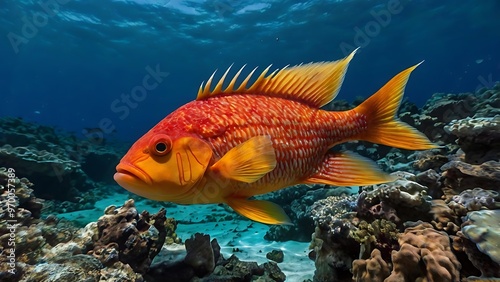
(67, 63)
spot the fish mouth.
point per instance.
(129, 174)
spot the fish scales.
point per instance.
(298, 132)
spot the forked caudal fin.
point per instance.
(382, 126)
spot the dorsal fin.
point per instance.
(315, 84)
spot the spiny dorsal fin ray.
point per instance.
(315, 84)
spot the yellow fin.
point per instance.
(348, 169)
(315, 84)
(260, 211)
(248, 161)
(380, 110)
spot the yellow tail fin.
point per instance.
(383, 127)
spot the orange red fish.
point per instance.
(233, 143)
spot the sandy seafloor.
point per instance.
(245, 235)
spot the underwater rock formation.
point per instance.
(459, 176)
(201, 254)
(396, 201)
(297, 202)
(127, 236)
(54, 174)
(450, 191)
(275, 255)
(62, 166)
(204, 262)
(332, 248)
(27, 241)
(478, 198)
(478, 138)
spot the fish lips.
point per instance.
(131, 177)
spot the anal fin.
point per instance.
(248, 161)
(348, 169)
(260, 211)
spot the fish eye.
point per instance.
(160, 145)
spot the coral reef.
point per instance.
(398, 231)
(120, 246)
(479, 263)
(477, 137)
(444, 217)
(63, 166)
(374, 269)
(477, 198)
(132, 238)
(297, 202)
(380, 234)
(483, 228)
(459, 176)
(17, 195)
(395, 201)
(428, 252)
(332, 249)
(451, 193)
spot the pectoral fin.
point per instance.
(260, 211)
(248, 161)
(348, 169)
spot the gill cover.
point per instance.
(173, 174)
(188, 161)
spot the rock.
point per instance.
(57, 176)
(478, 198)
(459, 176)
(129, 237)
(275, 255)
(333, 250)
(200, 255)
(479, 138)
(272, 273)
(63, 167)
(397, 201)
